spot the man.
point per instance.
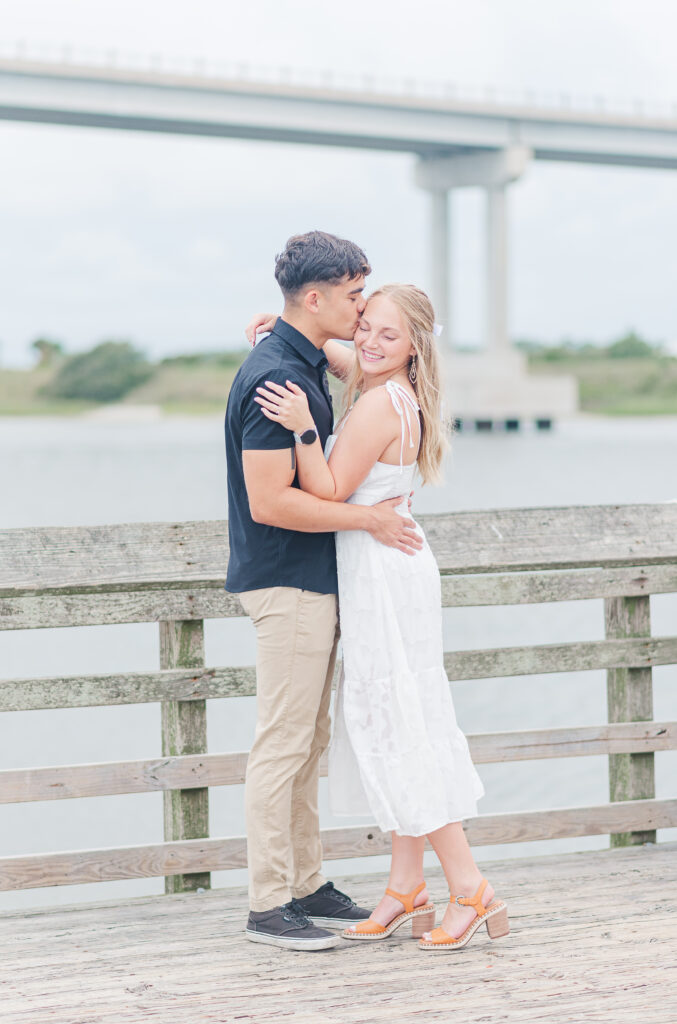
(283, 566)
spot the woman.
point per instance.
(397, 751)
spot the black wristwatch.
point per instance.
(307, 437)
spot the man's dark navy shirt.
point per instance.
(268, 556)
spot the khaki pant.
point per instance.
(296, 632)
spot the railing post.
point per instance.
(184, 731)
(630, 699)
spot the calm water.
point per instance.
(79, 472)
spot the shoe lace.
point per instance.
(341, 897)
(295, 914)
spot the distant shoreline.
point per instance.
(635, 386)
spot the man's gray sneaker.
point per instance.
(332, 909)
(288, 926)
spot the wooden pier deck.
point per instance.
(594, 939)
(594, 935)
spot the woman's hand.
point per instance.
(288, 406)
(259, 324)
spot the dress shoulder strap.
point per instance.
(407, 410)
(338, 427)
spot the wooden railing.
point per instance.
(173, 574)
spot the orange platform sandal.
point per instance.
(422, 919)
(495, 916)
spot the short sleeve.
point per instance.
(258, 432)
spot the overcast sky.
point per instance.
(169, 241)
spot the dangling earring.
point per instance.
(412, 370)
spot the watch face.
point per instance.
(308, 436)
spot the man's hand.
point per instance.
(390, 528)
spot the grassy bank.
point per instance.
(20, 395)
(185, 385)
(619, 387)
(188, 388)
(199, 384)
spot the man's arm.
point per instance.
(272, 500)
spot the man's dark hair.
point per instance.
(318, 257)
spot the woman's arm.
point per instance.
(259, 324)
(370, 428)
(341, 358)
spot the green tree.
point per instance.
(104, 374)
(47, 351)
(631, 346)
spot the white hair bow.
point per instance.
(437, 329)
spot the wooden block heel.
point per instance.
(498, 924)
(422, 923)
(494, 915)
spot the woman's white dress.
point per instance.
(396, 752)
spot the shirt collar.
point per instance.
(313, 355)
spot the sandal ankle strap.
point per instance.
(407, 899)
(473, 901)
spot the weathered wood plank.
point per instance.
(147, 687)
(118, 557)
(630, 698)
(518, 827)
(184, 731)
(147, 861)
(129, 688)
(574, 657)
(192, 855)
(64, 782)
(534, 744)
(111, 778)
(112, 608)
(213, 602)
(553, 538)
(556, 585)
(186, 555)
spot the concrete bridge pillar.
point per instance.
(492, 386)
(492, 170)
(496, 289)
(440, 255)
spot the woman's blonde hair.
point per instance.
(419, 317)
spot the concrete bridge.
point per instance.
(458, 142)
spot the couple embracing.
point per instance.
(318, 510)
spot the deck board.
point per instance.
(594, 939)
